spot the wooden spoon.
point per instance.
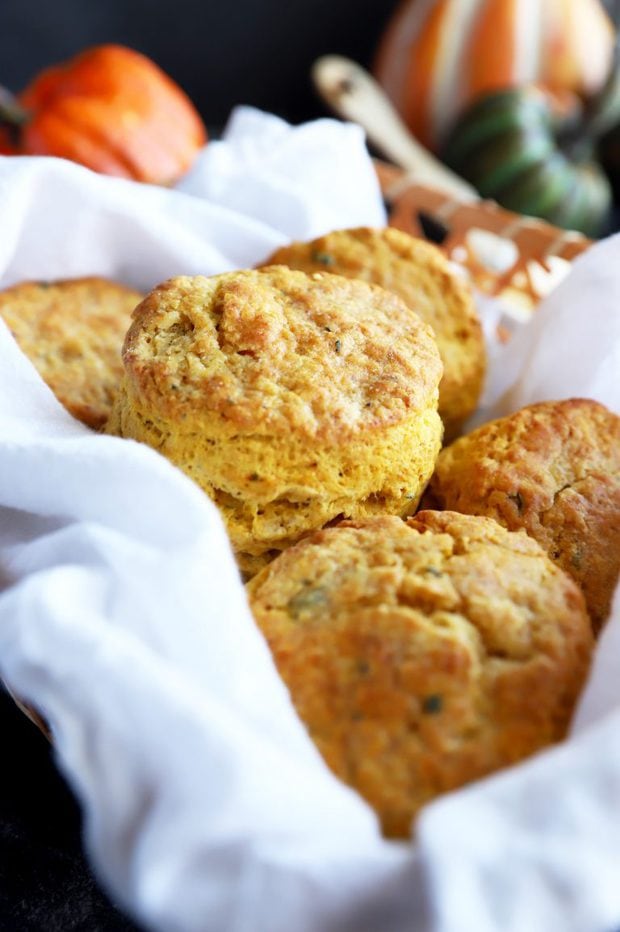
(354, 95)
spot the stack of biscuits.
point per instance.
(310, 398)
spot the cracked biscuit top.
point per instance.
(291, 399)
(421, 275)
(552, 469)
(423, 654)
(276, 350)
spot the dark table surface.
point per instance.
(45, 882)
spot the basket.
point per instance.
(514, 258)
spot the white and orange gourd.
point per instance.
(437, 56)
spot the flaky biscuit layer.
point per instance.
(291, 399)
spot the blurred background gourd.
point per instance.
(514, 96)
(514, 149)
(109, 108)
(438, 56)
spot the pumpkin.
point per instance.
(111, 109)
(512, 148)
(438, 56)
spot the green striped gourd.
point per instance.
(511, 148)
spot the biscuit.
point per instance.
(290, 399)
(72, 331)
(421, 275)
(423, 654)
(552, 469)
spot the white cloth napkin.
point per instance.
(572, 346)
(123, 620)
(300, 180)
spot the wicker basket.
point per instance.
(518, 259)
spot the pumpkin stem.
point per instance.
(604, 111)
(12, 115)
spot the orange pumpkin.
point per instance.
(111, 109)
(437, 56)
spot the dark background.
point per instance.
(222, 53)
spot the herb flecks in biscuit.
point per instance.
(553, 470)
(425, 654)
(291, 399)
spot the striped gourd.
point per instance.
(437, 56)
(511, 149)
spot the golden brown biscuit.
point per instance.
(425, 654)
(291, 399)
(421, 275)
(552, 469)
(72, 331)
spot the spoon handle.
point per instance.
(354, 95)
